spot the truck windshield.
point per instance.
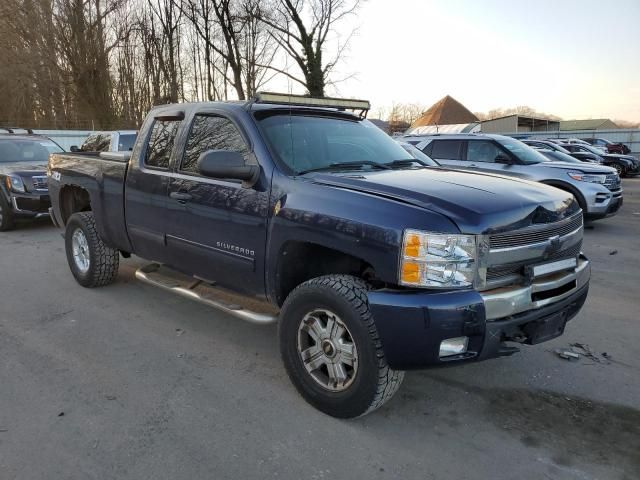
(307, 143)
(523, 152)
(24, 150)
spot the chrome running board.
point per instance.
(195, 289)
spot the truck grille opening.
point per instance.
(554, 292)
(535, 234)
(500, 271)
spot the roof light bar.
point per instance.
(304, 101)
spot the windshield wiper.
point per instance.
(347, 166)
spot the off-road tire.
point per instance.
(7, 222)
(374, 382)
(103, 260)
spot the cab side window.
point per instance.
(483, 151)
(446, 150)
(211, 132)
(161, 140)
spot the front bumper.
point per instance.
(412, 324)
(30, 205)
(601, 202)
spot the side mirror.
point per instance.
(503, 159)
(228, 164)
(74, 148)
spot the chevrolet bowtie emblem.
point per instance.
(553, 246)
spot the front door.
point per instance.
(216, 229)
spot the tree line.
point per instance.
(101, 64)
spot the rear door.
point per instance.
(446, 152)
(147, 186)
(216, 228)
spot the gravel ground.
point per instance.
(129, 382)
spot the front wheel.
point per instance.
(331, 349)
(620, 169)
(92, 262)
(6, 215)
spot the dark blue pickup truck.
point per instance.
(373, 260)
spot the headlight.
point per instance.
(15, 183)
(437, 260)
(584, 177)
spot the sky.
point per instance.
(574, 59)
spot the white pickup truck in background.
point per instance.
(115, 141)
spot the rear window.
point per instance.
(126, 141)
(446, 149)
(26, 150)
(163, 135)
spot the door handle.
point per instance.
(180, 197)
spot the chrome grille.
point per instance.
(40, 183)
(501, 271)
(612, 182)
(535, 234)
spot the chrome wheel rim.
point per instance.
(80, 250)
(618, 169)
(327, 350)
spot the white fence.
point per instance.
(66, 138)
(630, 137)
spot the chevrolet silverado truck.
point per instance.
(300, 211)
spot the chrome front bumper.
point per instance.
(508, 301)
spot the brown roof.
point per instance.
(447, 111)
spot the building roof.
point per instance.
(591, 124)
(454, 128)
(446, 111)
(526, 117)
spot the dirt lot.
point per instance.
(129, 382)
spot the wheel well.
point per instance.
(302, 261)
(73, 200)
(572, 190)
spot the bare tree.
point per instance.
(167, 44)
(519, 110)
(306, 42)
(235, 42)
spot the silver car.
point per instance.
(596, 187)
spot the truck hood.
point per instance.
(477, 203)
(23, 169)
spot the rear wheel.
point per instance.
(331, 349)
(92, 262)
(7, 221)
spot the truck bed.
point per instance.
(104, 179)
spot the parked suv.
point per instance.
(624, 164)
(596, 187)
(117, 141)
(23, 182)
(608, 145)
(556, 147)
